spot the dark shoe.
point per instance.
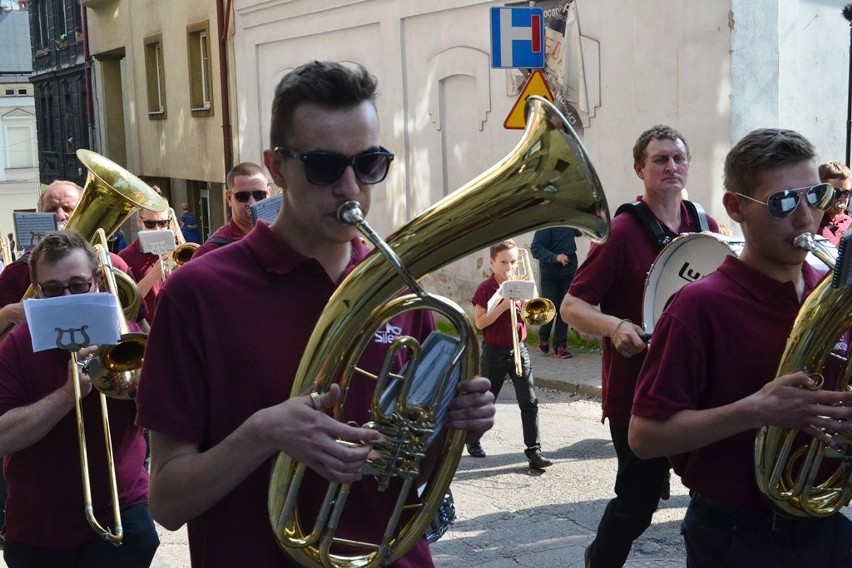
(562, 353)
(544, 346)
(475, 450)
(537, 461)
(586, 557)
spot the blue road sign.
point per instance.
(517, 38)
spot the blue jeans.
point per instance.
(136, 550)
(497, 362)
(554, 289)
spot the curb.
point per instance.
(569, 387)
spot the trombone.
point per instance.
(535, 310)
(122, 360)
(183, 251)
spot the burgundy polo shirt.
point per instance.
(45, 502)
(230, 231)
(499, 333)
(141, 263)
(613, 277)
(227, 342)
(719, 339)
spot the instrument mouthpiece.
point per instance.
(350, 213)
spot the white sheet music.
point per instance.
(72, 321)
(157, 241)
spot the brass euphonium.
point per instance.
(546, 180)
(792, 472)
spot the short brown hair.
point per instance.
(501, 246)
(56, 245)
(834, 170)
(762, 150)
(324, 83)
(657, 132)
(247, 169)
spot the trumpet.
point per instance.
(183, 251)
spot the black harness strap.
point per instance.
(652, 226)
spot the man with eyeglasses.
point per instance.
(246, 184)
(836, 220)
(45, 518)
(216, 414)
(709, 379)
(145, 267)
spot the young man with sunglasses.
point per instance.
(709, 379)
(45, 516)
(217, 416)
(145, 267)
(836, 221)
(612, 278)
(246, 184)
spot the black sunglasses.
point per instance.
(243, 196)
(325, 168)
(153, 224)
(55, 290)
(782, 203)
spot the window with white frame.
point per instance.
(198, 45)
(155, 75)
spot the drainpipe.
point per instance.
(223, 15)
(87, 75)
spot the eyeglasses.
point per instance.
(243, 196)
(325, 168)
(153, 224)
(54, 290)
(782, 203)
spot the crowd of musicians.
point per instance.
(226, 331)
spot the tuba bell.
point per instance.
(801, 476)
(546, 180)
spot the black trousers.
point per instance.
(497, 362)
(717, 535)
(638, 484)
(136, 549)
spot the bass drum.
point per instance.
(685, 259)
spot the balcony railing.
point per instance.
(58, 56)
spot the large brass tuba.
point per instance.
(789, 471)
(546, 180)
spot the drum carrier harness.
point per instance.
(649, 221)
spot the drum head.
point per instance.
(686, 259)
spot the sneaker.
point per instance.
(544, 346)
(475, 450)
(537, 461)
(562, 353)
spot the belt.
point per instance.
(766, 520)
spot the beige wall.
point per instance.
(182, 146)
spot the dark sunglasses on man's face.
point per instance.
(243, 196)
(153, 224)
(325, 168)
(55, 290)
(781, 203)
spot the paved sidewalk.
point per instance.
(580, 374)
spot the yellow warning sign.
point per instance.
(535, 85)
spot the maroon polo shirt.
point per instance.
(719, 339)
(44, 506)
(499, 333)
(613, 277)
(229, 230)
(141, 263)
(229, 335)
